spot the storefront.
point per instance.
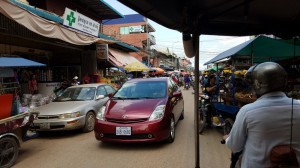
(65, 52)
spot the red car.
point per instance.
(142, 110)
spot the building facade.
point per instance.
(40, 35)
(135, 30)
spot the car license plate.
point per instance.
(123, 130)
(45, 125)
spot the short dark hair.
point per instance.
(211, 76)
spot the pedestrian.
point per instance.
(75, 81)
(174, 78)
(204, 80)
(86, 79)
(265, 123)
(33, 85)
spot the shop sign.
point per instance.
(136, 29)
(102, 51)
(80, 22)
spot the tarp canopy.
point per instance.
(18, 62)
(262, 49)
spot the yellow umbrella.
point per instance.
(227, 71)
(136, 66)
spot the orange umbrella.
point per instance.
(159, 71)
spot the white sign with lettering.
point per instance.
(80, 22)
(136, 29)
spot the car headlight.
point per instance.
(100, 114)
(69, 115)
(158, 113)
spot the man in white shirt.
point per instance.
(266, 123)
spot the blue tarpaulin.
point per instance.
(17, 62)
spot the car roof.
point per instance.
(89, 85)
(162, 79)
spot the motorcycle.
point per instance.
(186, 86)
(216, 114)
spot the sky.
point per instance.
(210, 46)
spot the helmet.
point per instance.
(266, 77)
(75, 77)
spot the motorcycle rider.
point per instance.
(210, 90)
(65, 84)
(210, 87)
(187, 81)
(272, 120)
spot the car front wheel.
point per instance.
(171, 137)
(89, 122)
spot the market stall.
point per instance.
(136, 69)
(11, 91)
(114, 76)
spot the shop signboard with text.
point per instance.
(80, 22)
(136, 29)
(102, 51)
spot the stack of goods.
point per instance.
(33, 101)
(245, 96)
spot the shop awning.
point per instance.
(262, 49)
(113, 61)
(45, 27)
(123, 57)
(17, 62)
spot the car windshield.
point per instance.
(77, 94)
(141, 90)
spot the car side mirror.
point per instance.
(110, 95)
(100, 97)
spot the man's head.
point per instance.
(266, 77)
(212, 79)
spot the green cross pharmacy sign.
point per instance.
(71, 18)
(80, 22)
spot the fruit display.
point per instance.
(245, 96)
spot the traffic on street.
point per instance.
(74, 149)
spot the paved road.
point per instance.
(81, 150)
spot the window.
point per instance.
(124, 30)
(170, 86)
(101, 91)
(109, 89)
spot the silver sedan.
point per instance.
(74, 108)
